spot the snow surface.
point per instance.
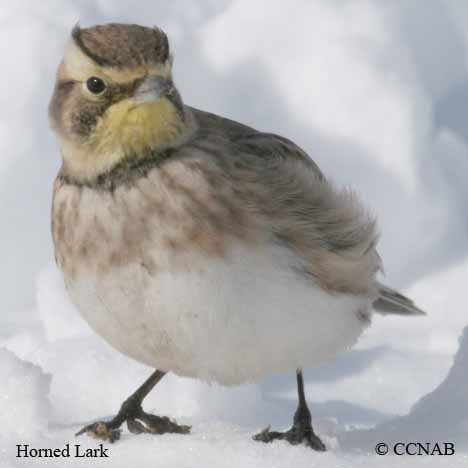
(377, 93)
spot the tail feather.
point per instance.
(392, 302)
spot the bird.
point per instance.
(195, 244)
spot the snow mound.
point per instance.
(440, 416)
(24, 404)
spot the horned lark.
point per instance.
(195, 244)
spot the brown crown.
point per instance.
(122, 45)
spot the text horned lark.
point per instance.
(195, 244)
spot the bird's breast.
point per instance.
(153, 221)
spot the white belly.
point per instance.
(228, 320)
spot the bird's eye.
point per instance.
(95, 85)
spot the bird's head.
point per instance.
(114, 98)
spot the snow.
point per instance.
(442, 415)
(376, 92)
(24, 403)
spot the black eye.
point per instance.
(95, 85)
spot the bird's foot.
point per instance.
(298, 434)
(137, 420)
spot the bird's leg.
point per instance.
(301, 430)
(137, 420)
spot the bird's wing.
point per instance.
(247, 139)
(330, 231)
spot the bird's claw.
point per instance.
(101, 430)
(160, 424)
(136, 427)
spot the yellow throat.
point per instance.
(126, 130)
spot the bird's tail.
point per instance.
(392, 302)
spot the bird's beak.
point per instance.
(151, 89)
